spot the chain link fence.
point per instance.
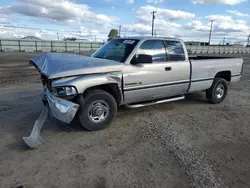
(218, 49)
(13, 45)
(8, 45)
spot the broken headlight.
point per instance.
(64, 91)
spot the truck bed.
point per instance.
(205, 68)
(194, 57)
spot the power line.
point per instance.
(210, 33)
(59, 33)
(153, 19)
(55, 30)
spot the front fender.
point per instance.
(86, 81)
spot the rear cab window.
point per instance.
(175, 51)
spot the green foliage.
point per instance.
(113, 34)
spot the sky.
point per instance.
(93, 19)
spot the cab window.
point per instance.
(175, 51)
(155, 48)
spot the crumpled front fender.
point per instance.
(81, 83)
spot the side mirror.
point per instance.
(143, 58)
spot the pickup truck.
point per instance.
(134, 71)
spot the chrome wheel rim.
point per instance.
(98, 111)
(219, 92)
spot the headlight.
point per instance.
(64, 91)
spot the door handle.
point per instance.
(168, 68)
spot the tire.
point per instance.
(218, 91)
(92, 105)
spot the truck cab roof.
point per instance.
(150, 37)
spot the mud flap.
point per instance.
(35, 139)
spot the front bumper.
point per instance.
(61, 109)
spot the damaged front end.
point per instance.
(64, 77)
(61, 109)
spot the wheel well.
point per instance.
(224, 74)
(112, 89)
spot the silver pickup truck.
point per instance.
(135, 72)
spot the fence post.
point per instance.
(19, 46)
(1, 48)
(51, 46)
(79, 48)
(36, 45)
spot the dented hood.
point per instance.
(57, 65)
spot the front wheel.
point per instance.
(97, 109)
(218, 91)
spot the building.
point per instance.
(30, 38)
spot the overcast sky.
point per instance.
(187, 19)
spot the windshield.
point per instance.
(117, 49)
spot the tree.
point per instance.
(113, 33)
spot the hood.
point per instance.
(58, 65)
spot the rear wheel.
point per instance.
(218, 91)
(97, 109)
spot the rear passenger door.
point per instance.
(161, 78)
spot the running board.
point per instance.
(138, 105)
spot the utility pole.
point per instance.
(120, 28)
(248, 40)
(155, 33)
(153, 21)
(210, 33)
